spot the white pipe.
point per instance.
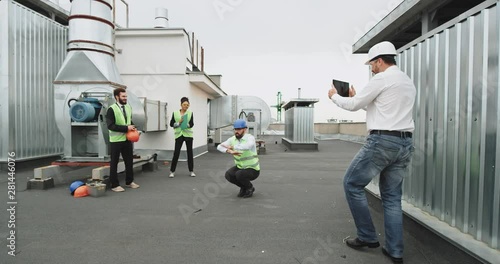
(161, 18)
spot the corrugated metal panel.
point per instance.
(289, 123)
(303, 129)
(4, 82)
(38, 48)
(453, 174)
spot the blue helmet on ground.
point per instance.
(240, 123)
(75, 186)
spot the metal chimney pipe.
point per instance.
(88, 77)
(299, 93)
(91, 27)
(161, 19)
(90, 47)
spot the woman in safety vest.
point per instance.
(182, 122)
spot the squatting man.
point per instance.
(242, 147)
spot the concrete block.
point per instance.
(44, 184)
(99, 173)
(46, 172)
(261, 150)
(313, 146)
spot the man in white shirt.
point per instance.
(242, 147)
(388, 99)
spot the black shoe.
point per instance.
(242, 192)
(394, 260)
(357, 244)
(249, 193)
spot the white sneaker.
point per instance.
(118, 189)
(171, 175)
(192, 174)
(133, 185)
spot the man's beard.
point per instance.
(122, 102)
(238, 136)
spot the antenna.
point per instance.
(278, 107)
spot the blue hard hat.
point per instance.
(75, 185)
(240, 123)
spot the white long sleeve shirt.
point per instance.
(249, 144)
(388, 99)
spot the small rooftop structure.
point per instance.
(299, 124)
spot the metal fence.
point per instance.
(33, 49)
(455, 173)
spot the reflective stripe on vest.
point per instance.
(188, 132)
(115, 136)
(248, 159)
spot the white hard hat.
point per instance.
(382, 48)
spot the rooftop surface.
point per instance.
(298, 214)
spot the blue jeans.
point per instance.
(387, 156)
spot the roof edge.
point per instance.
(407, 11)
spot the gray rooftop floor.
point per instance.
(298, 215)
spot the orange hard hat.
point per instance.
(81, 191)
(133, 135)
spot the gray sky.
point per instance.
(262, 47)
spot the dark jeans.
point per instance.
(177, 152)
(241, 178)
(387, 156)
(126, 149)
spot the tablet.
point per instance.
(342, 87)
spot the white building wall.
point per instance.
(152, 64)
(170, 89)
(151, 54)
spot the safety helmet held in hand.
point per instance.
(382, 48)
(74, 186)
(81, 191)
(240, 123)
(133, 135)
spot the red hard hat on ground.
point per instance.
(81, 191)
(133, 135)
(74, 186)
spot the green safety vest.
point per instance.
(248, 159)
(115, 136)
(178, 131)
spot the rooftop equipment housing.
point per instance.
(84, 86)
(299, 124)
(32, 49)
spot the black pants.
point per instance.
(242, 178)
(177, 152)
(126, 149)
